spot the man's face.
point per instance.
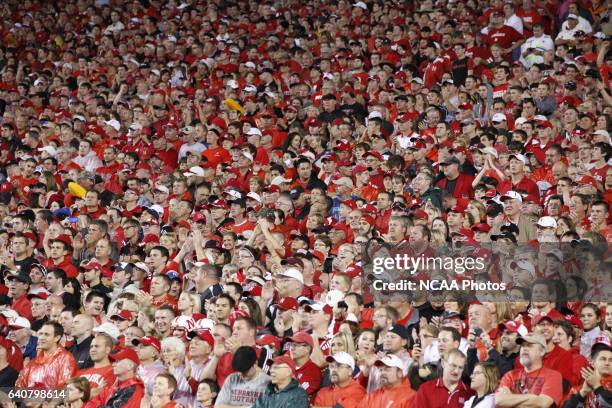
(603, 362)
(390, 376)
(304, 171)
(163, 320)
(156, 258)
(511, 206)
(46, 338)
(531, 354)
(159, 287)
(445, 341)
(453, 368)
(96, 306)
(84, 149)
(280, 373)
(20, 245)
(508, 340)
(392, 343)
(122, 367)
(599, 214)
(546, 329)
(99, 349)
(222, 308)
(339, 373)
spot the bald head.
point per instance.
(82, 325)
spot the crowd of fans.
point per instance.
(191, 192)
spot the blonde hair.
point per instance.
(349, 344)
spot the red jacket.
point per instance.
(124, 394)
(463, 186)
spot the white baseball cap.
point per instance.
(519, 157)
(278, 180)
(204, 324)
(361, 5)
(293, 273)
(342, 358)
(49, 149)
(512, 195)
(195, 171)
(254, 196)
(109, 329)
(499, 117)
(114, 123)
(254, 131)
(547, 222)
(390, 360)
(527, 266)
(19, 322)
(333, 297)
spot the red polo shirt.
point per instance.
(433, 394)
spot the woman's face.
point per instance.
(478, 379)
(562, 227)
(338, 345)
(184, 303)
(438, 225)
(74, 394)
(472, 209)
(609, 316)
(588, 318)
(366, 342)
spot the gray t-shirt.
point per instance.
(237, 391)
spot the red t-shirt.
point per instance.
(309, 376)
(542, 381)
(98, 376)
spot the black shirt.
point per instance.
(8, 376)
(25, 264)
(80, 351)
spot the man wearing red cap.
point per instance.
(53, 366)
(307, 373)
(283, 390)
(128, 390)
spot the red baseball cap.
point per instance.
(93, 264)
(285, 360)
(481, 227)
(148, 341)
(269, 340)
(288, 303)
(126, 354)
(302, 337)
(65, 238)
(122, 315)
(205, 335)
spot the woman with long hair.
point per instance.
(485, 379)
(189, 303)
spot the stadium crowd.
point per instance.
(191, 194)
